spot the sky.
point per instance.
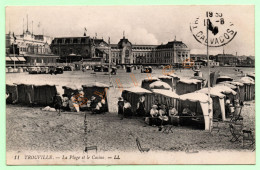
(141, 24)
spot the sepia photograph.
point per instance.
(110, 85)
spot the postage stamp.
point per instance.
(90, 85)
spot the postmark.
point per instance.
(221, 31)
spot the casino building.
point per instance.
(87, 49)
(28, 49)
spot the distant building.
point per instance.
(226, 59)
(73, 49)
(28, 49)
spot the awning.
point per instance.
(21, 58)
(14, 58)
(8, 59)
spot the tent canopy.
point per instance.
(73, 87)
(138, 90)
(167, 93)
(247, 80)
(195, 97)
(165, 77)
(96, 84)
(226, 83)
(150, 79)
(214, 92)
(224, 89)
(189, 81)
(159, 84)
(173, 75)
(236, 83)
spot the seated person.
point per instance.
(73, 103)
(174, 116)
(162, 114)
(103, 103)
(65, 102)
(97, 109)
(186, 112)
(154, 112)
(154, 119)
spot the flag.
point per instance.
(85, 30)
(14, 37)
(212, 28)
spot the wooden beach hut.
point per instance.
(133, 94)
(185, 86)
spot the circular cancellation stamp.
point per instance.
(220, 30)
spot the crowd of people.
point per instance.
(77, 103)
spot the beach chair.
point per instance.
(236, 132)
(237, 117)
(87, 148)
(140, 147)
(167, 129)
(215, 126)
(248, 136)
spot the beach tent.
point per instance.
(167, 79)
(43, 94)
(198, 102)
(160, 85)
(96, 89)
(133, 94)
(226, 90)
(223, 78)
(25, 93)
(251, 75)
(185, 86)
(175, 79)
(72, 88)
(166, 97)
(240, 89)
(129, 69)
(218, 102)
(13, 93)
(249, 84)
(147, 81)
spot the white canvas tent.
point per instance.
(207, 110)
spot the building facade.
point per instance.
(72, 49)
(29, 49)
(124, 52)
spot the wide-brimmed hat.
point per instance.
(120, 98)
(93, 98)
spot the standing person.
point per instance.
(141, 107)
(127, 109)
(120, 105)
(227, 106)
(57, 102)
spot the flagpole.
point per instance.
(109, 60)
(209, 74)
(14, 55)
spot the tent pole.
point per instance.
(209, 75)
